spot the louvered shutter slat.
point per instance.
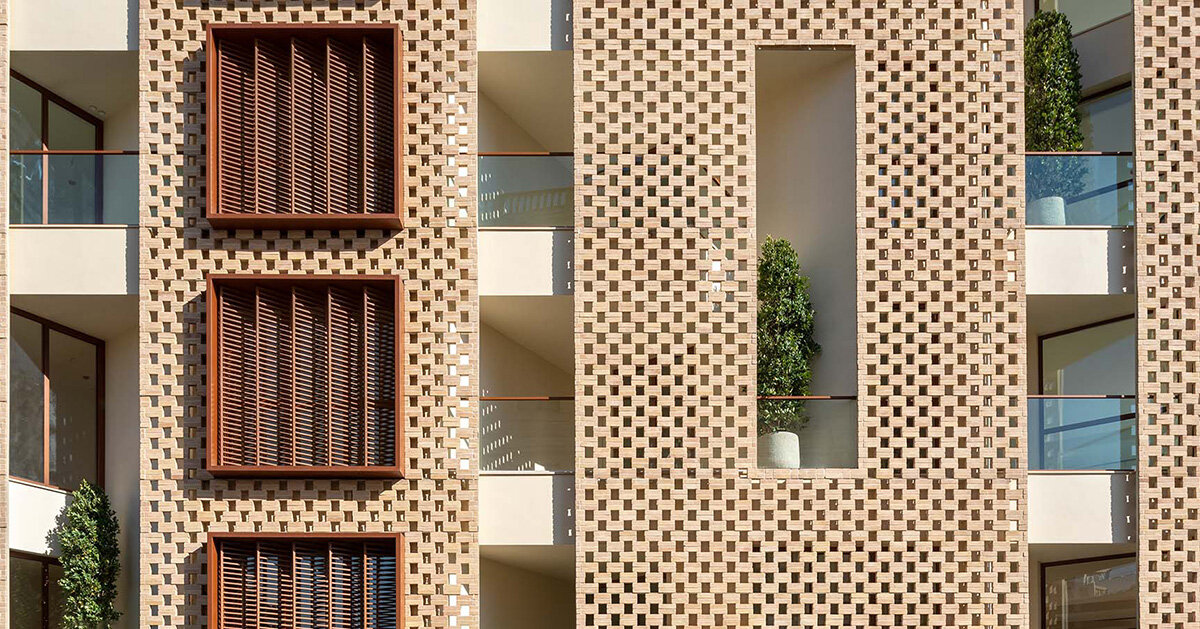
(346, 376)
(310, 130)
(273, 112)
(381, 377)
(345, 128)
(235, 116)
(274, 394)
(378, 125)
(237, 375)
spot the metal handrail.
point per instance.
(526, 153)
(808, 397)
(73, 152)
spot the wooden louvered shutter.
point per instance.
(306, 583)
(305, 374)
(305, 124)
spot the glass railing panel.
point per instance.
(1079, 189)
(526, 191)
(810, 432)
(527, 434)
(73, 189)
(1082, 433)
(1085, 14)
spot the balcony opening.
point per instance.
(1083, 379)
(73, 120)
(805, 130)
(71, 351)
(527, 366)
(526, 587)
(526, 174)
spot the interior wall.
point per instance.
(511, 369)
(499, 132)
(513, 598)
(121, 432)
(805, 131)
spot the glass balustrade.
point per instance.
(66, 188)
(1079, 189)
(807, 432)
(527, 434)
(526, 191)
(1082, 433)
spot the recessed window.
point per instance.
(55, 413)
(34, 593)
(320, 582)
(303, 375)
(303, 126)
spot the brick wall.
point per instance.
(434, 507)
(676, 526)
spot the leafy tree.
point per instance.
(787, 343)
(1052, 94)
(91, 560)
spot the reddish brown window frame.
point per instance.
(214, 464)
(47, 327)
(361, 220)
(216, 538)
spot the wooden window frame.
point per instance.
(294, 220)
(214, 464)
(217, 538)
(47, 326)
(46, 561)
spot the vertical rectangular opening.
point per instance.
(805, 157)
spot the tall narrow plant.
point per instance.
(1052, 85)
(1053, 90)
(91, 560)
(787, 343)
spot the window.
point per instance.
(276, 580)
(59, 169)
(1087, 14)
(304, 375)
(1092, 593)
(34, 591)
(56, 417)
(1107, 120)
(303, 126)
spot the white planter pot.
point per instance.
(779, 450)
(1046, 211)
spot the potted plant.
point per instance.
(1052, 120)
(787, 347)
(91, 560)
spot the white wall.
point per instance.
(1078, 261)
(805, 129)
(122, 437)
(1082, 507)
(499, 132)
(102, 260)
(519, 508)
(526, 261)
(33, 513)
(74, 25)
(524, 25)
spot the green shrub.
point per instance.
(787, 343)
(91, 560)
(1052, 95)
(1052, 85)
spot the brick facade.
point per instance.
(676, 526)
(1166, 54)
(434, 506)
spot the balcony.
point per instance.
(1082, 432)
(74, 176)
(1079, 218)
(526, 223)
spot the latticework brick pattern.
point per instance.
(1166, 95)
(676, 526)
(434, 506)
(4, 314)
